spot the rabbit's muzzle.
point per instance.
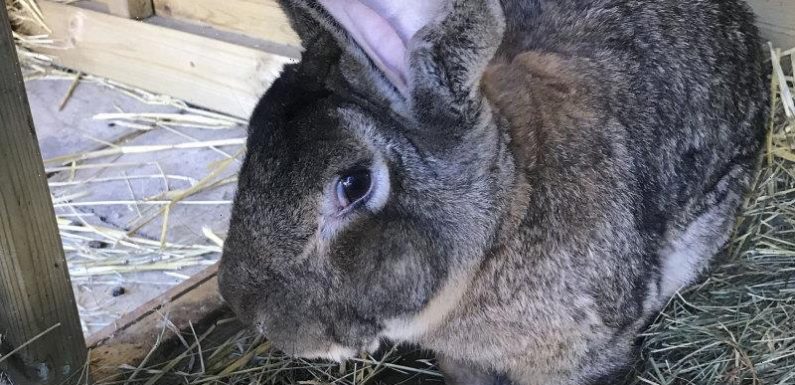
(261, 303)
(289, 309)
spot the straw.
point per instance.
(735, 328)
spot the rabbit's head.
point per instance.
(357, 209)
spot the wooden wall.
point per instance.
(776, 18)
(172, 59)
(264, 19)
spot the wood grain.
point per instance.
(262, 19)
(131, 9)
(35, 292)
(206, 72)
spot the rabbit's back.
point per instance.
(683, 76)
(638, 124)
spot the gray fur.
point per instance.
(551, 165)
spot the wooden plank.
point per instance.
(776, 19)
(195, 302)
(35, 292)
(262, 19)
(209, 73)
(131, 9)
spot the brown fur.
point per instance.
(552, 172)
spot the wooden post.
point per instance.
(35, 292)
(131, 9)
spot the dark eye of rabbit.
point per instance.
(353, 186)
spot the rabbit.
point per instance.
(519, 186)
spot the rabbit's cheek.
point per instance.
(412, 328)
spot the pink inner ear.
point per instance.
(383, 29)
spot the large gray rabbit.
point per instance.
(516, 185)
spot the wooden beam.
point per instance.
(261, 19)
(209, 73)
(131, 9)
(193, 303)
(35, 292)
(264, 19)
(776, 19)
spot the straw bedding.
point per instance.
(736, 328)
(124, 174)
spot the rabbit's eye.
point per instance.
(353, 186)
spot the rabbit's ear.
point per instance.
(382, 29)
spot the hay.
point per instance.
(119, 150)
(22, 13)
(100, 254)
(736, 328)
(246, 358)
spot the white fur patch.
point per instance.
(686, 257)
(373, 346)
(335, 352)
(381, 184)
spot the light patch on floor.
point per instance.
(87, 197)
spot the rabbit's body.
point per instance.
(542, 183)
(586, 257)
